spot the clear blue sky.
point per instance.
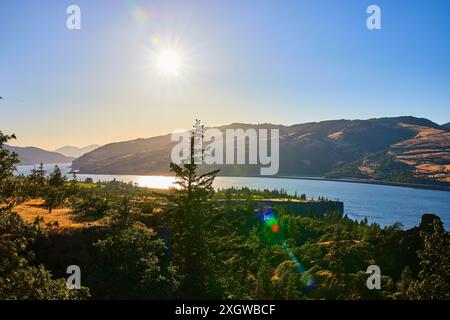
(244, 61)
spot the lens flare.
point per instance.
(154, 40)
(275, 228)
(140, 16)
(307, 278)
(268, 216)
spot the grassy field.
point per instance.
(62, 217)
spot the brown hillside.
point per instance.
(428, 152)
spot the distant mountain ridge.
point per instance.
(33, 155)
(447, 126)
(399, 149)
(75, 152)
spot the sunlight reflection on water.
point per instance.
(379, 203)
(159, 182)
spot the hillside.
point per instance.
(33, 155)
(75, 152)
(336, 148)
(424, 158)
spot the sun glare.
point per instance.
(169, 63)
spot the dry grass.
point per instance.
(336, 135)
(300, 137)
(367, 170)
(324, 273)
(428, 152)
(64, 218)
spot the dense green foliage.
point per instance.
(19, 278)
(387, 169)
(193, 242)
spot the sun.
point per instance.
(169, 63)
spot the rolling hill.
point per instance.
(71, 151)
(400, 149)
(33, 155)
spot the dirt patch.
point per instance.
(336, 135)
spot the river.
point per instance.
(383, 204)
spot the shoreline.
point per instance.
(375, 182)
(316, 178)
(347, 180)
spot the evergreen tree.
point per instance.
(434, 276)
(36, 182)
(8, 162)
(263, 284)
(56, 191)
(8, 159)
(404, 286)
(337, 251)
(74, 181)
(41, 175)
(188, 220)
(56, 179)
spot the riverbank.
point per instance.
(377, 182)
(349, 180)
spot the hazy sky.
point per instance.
(243, 61)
